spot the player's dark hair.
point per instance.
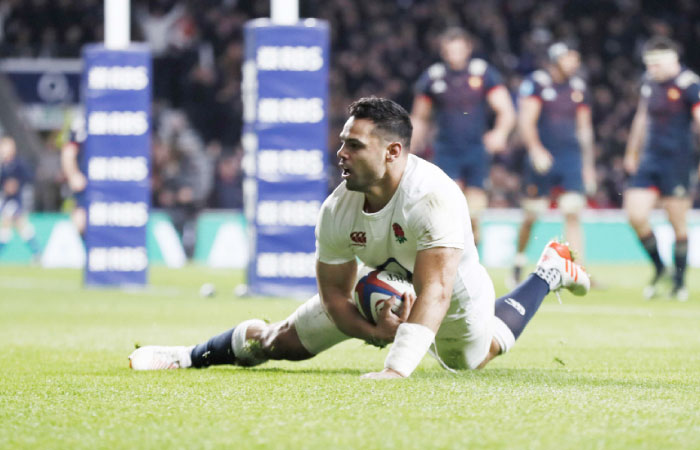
(387, 116)
(660, 43)
(455, 33)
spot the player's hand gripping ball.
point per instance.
(374, 289)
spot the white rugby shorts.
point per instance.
(462, 342)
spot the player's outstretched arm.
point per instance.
(696, 119)
(500, 102)
(433, 277)
(586, 140)
(636, 138)
(420, 118)
(335, 285)
(69, 164)
(529, 114)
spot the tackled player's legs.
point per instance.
(304, 334)
(477, 328)
(465, 335)
(251, 343)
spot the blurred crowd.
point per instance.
(378, 48)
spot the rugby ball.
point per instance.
(375, 288)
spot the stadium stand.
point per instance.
(378, 47)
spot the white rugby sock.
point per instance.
(503, 335)
(246, 352)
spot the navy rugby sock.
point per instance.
(517, 308)
(649, 243)
(680, 258)
(217, 350)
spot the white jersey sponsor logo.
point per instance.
(577, 84)
(439, 87)
(477, 67)
(686, 78)
(542, 78)
(436, 71)
(549, 94)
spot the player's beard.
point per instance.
(352, 184)
(362, 180)
(364, 174)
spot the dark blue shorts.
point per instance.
(471, 171)
(562, 175)
(670, 176)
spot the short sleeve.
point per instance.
(529, 88)
(435, 221)
(422, 86)
(645, 88)
(329, 248)
(587, 101)
(492, 78)
(692, 94)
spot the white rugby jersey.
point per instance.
(427, 210)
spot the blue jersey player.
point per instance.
(669, 104)
(74, 169)
(457, 94)
(14, 176)
(554, 120)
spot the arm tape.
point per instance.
(410, 345)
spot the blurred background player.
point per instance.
(554, 120)
(456, 93)
(14, 176)
(668, 105)
(74, 170)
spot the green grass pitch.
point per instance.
(607, 371)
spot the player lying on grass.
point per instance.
(385, 189)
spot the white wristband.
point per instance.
(410, 345)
